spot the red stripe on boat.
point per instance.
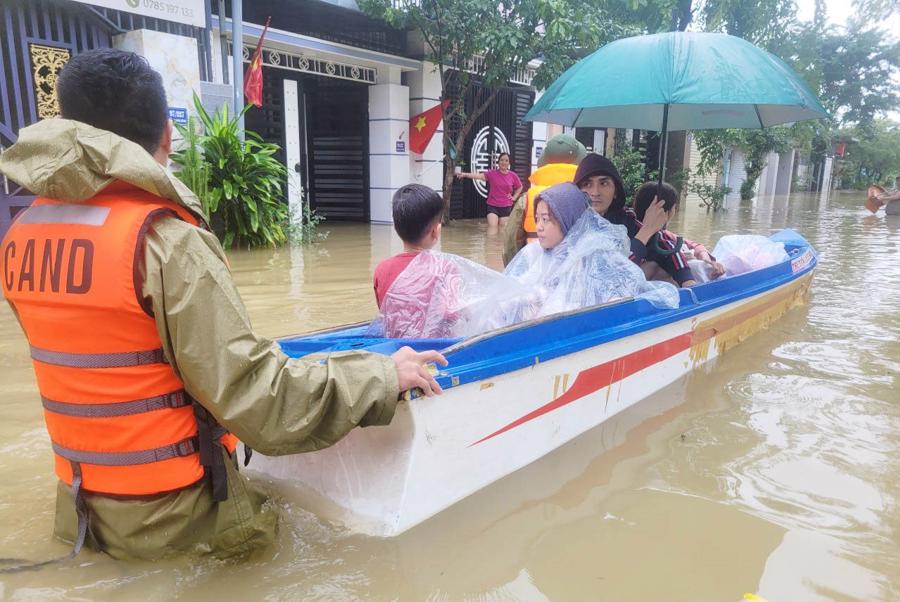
(593, 379)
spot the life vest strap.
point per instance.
(185, 447)
(84, 525)
(98, 360)
(209, 431)
(174, 400)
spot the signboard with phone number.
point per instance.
(189, 12)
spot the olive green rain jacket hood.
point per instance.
(274, 404)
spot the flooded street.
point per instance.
(775, 470)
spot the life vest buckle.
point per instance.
(188, 446)
(175, 400)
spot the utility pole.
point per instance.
(237, 60)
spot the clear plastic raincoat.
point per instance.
(440, 295)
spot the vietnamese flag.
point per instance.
(253, 81)
(423, 126)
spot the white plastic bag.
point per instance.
(741, 253)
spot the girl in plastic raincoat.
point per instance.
(582, 259)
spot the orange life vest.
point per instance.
(541, 179)
(115, 410)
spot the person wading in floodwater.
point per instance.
(147, 365)
(504, 187)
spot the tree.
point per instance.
(852, 70)
(858, 67)
(651, 16)
(481, 41)
(766, 23)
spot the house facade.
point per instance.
(339, 89)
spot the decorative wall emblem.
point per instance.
(482, 158)
(46, 63)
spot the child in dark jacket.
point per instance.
(599, 178)
(666, 249)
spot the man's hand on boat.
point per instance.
(412, 370)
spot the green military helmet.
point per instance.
(562, 148)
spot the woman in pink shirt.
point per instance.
(504, 187)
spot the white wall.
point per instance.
(174, 57)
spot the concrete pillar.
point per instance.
(825, 178)
(539, 136)
(293, 149)
(769, 175)
(425, 93)
(735, 176)
(785, 172)
(388, 147)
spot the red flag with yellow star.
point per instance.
(423, 126)
(253, 80)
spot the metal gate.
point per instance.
(37, 38)
(334, 145)
(337, 125)
(499, 128)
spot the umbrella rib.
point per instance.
(758, 116)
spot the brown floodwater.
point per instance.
(775, 470)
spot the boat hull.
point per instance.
(437, 451)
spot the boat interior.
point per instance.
(520, 345)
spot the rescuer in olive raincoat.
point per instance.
(147, 365)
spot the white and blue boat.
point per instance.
(515, 394)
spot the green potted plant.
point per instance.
(240, 183)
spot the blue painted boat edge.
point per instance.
(525, 344)
(500, 354)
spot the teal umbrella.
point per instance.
(678, 81)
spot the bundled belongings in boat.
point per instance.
(741, 253)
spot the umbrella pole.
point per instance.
(663, 142)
